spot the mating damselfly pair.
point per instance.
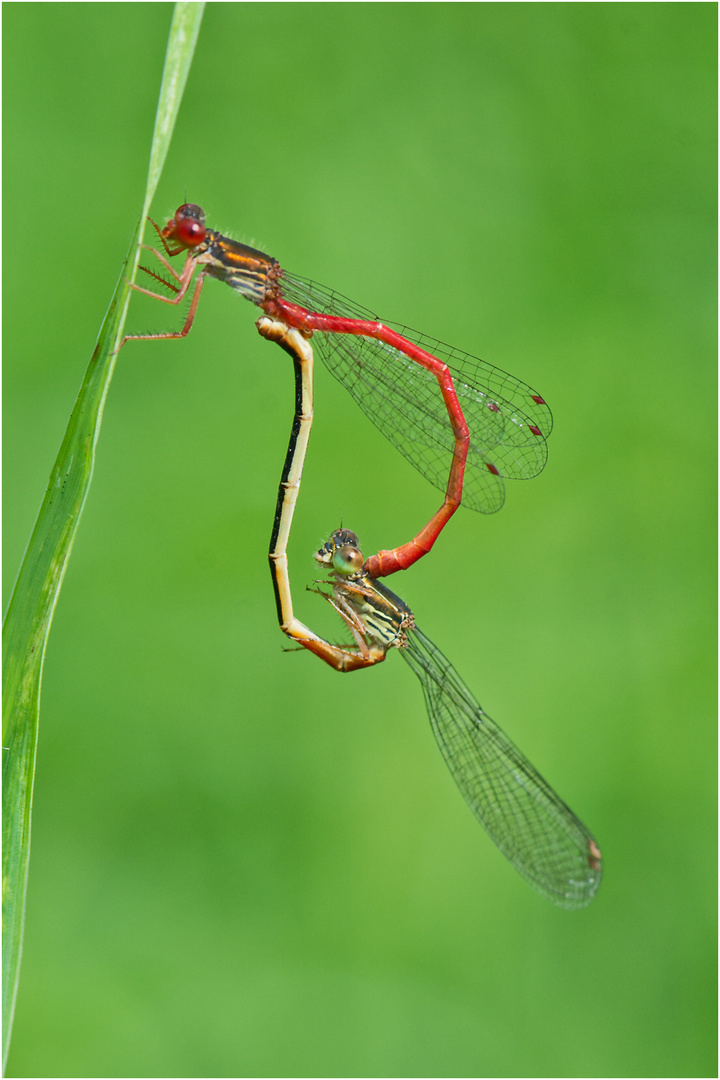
(466, 426)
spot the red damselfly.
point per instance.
(523, 815)
(431, 401)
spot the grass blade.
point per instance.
(31, 607)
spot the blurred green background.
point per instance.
(244, 864)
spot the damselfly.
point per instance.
(523, 815)
(527, 820)
(431, 401)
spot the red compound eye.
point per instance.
(189, 232)
(188, 225)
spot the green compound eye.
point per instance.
(347, 560)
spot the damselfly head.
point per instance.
(342, 552)
(187, 228)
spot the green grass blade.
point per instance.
(181, 47)
(36, 590)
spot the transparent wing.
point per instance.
(530, 824)
(508, 420)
